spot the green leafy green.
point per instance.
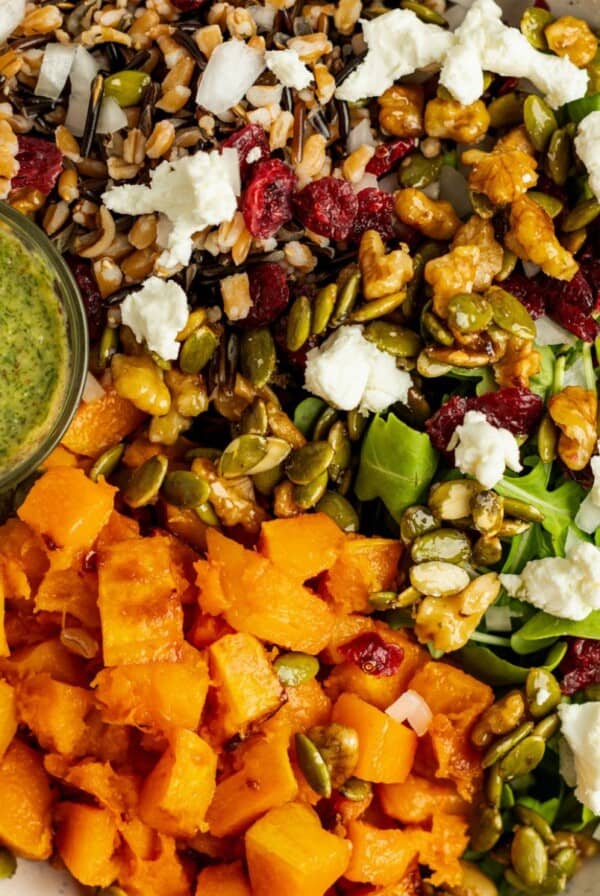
(542, 382)
(488, 666)
(307, 413)
(573, 816)
(547, 809)
(533, 544)
(542, 628)
(397, 464)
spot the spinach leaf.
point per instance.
(542, 382)
(534, 544)
(543, 627)
(573, 816)
(307, 413)
(548, 809)
(559, 505)
(486, 665)
(397, 464)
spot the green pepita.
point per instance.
(340, 510)
(397, 341)
(506, 111)
(487, 509)
(308, 462)
(505, 744)
(509, 263)
(419, 172)
(543, 692)
(469, 313)
(436, 329)
(107, 462)
(559, 156)
(370, 311)
(533, 23)
(126, 87)
(338, 745)
(342, 451)
(510, 528)
(347, 292)
(482, 206)
(547, 727)
(108, 345)
(551, 205)
(487, 551)
(566, 859)
(308, 495)
(540, 121)
(448, 545)
(425, 253)
(295, 668)
(521, 510)
(324, 423)
(323, 307)
(510, 314)
(486, 828)
(536, 821)
(507, 798)
(523, 758)
(251, 454)
(383, 600)
(145, 483)
(452, 500)
(312, 765)
(185, 488)
(299, 323)
(547, 438)
(424, 13)
(494, 786)
(415, 521)
(357, 423)
(437, 578)
(265, 482)
(197, 350)
(356, 789)
(206, 513)
(255, 419)
(528, 855)
(8, 864)
(258, 357)
(582, 215)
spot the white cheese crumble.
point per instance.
(232, 69)
(484, 451)
(567, 587)
(588, 515)
(288, 68)
(399, 44)
(581, 730)
(587, 146)
(156, 314)
(194, 192)
(350, 372)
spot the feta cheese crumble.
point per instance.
(581, 730)
(194, 192)
(587, 146)
(288, 68)
(399, 44)
(484, 451)
(588, 515)
(350, 372)
(156, 314)
(568, 587)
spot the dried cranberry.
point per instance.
(375, 212)
(515, 409)
(267, 200)
(251, 139)
(373, 655)
(40, 163)
(269, 292)
(94, 306)
(387, 154)
(188, 5)
(328, 207)
(570, 303)
(581, 665)
(528, 291)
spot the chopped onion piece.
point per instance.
(112, 117)
(548, 332)
(497, 619)
(92, 389)
(12, 13)
(54, 70)
(531, 269)
(232, 69)
(367, 181)
(360, 135)
(412, 708)
(264, 16)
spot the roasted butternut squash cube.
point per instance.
(8, 715)
(365, 565)
(151, 864)
(303, 546)
(101, 423)
(49, 656)
(417, 800)
(211, 596)
(223, 880)
(25, 807)
(380, 856)
(25, 548)
(140, 610)
(4, 648)
(86, 840)
(288, 852)
(73, 591)
(178, 791)
(66, 508)
(55, 712)
(386, 748)
(247, 686)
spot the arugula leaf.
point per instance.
(534, 544)
(307, 413)
(397, 464)
(559, 506)
(542, 382)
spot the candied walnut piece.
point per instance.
(532, 238)
(435, 218)
(572, 38)
(480, 233)
(575, 410)
(502, 175)
(450, 274)
(451, 120)
(519, 362)
(401, 111)
(382, 274)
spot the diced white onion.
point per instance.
(432, 190)
(412, 708)
(455, 190)
(230, 157)
(112, 118)
(531, 269)
(389, 183)
(92, 389)
(367, 180)
(360, 135)
(54, 70)
(548, 332)
(264, 16)
(12, 13)
(497, 619)
(232, 69)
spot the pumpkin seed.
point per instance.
(197, 350)
(558, 156)
(8, 864)
(540, 121)
(474, 882)
(80, 642)
(426, 252)
(547, 438)
(415, 521)
(582, 215)
(383, 600)
(554, 883)
(258, 357)
(521, 510)
(126, 87)
(378, 307)
(312, 765)
(505, 744)
(107, 462)
(434, 326)
(482, 206)
(551, 205)
(528, 855)
(347, 285)
(452, 500)
(510, 314)
(424, 13)
(574, 240)
(487, 551)
(324, 423)
(206, 513)
(419, 172)
(523, 758)
(212, 454)
(250, 454)
(299, 323)
(509, 263)
(408, 597)
(469, 313)
(444, 544)
(338, 745)
(507, 797)
(488, 512)
(486, 828)
(536, 821)
(430, 368)
(533, 23)
(510, 528)
(542, 691)
(108, 345)
(566, 859)
(308, 462)
(357, 423)
(255, 419)
(342, 451)
(323, 307)
(185, 489)
(506, 110)
(145, 482)
(395, 340)
(547, 727)
(308, 495)
(340, 510)
(265, 482)
(494, 786)
(295, 668)
(356, 789)
(438, 579)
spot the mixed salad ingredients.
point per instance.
(308, 599)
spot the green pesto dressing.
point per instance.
(34, 352)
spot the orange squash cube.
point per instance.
(26, 549)
(73, 591)
(303, 546)
(211, 598)
(380, 856)
(151, 865)
(49, 656)
(101, 423)
(451, 692)
(86, 841)
(178, 791)
(386, 748)
(247, 686)
(25, 807)
(288, 852)
(223, 880)
(140, 610)
(365, 565)
(417, 800)
(55, 712)
(65, 507)
(8, 715)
